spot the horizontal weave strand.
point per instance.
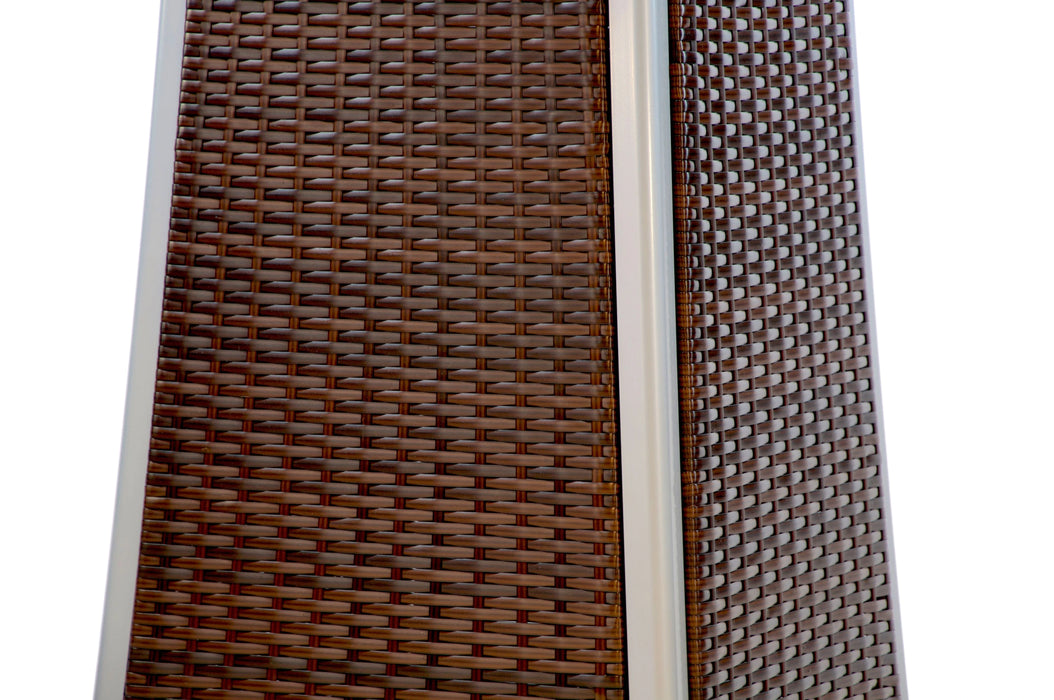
(788, 591)
(382, 458)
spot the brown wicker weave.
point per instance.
(382, 460)
(788, 588)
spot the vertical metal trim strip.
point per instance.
(139, 399)
(645, 294)
(876, 384)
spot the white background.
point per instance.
(957, 116)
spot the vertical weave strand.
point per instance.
(788, 592)
(382, 458)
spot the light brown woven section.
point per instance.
(382, 461)
(788, 592)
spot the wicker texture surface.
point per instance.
(788, 592)
(382, 458)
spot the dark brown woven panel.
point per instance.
(789, 591)
(382, 460)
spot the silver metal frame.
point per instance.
(139, 400)
(645, 298)
(876, 384)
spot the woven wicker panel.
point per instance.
(382, 461)
(789, 592)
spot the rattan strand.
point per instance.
(788, 592)
(382, 461)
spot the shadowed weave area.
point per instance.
(788, 592)
(382, 462)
